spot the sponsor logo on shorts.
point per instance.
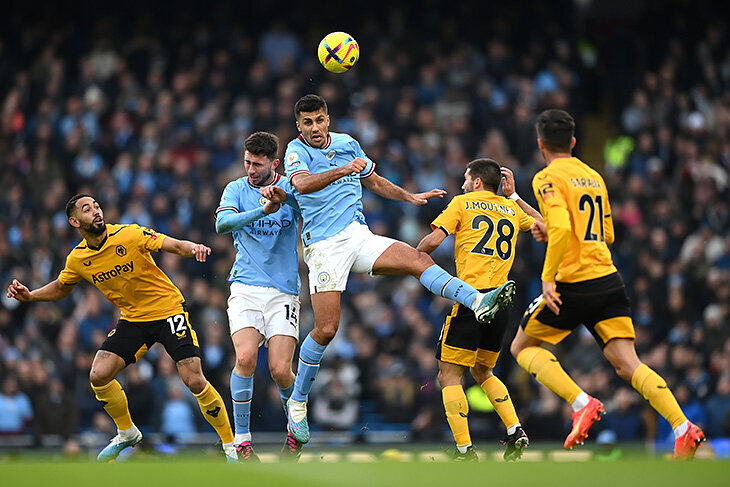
(112, 332)
(323, 278)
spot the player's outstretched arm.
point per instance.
(382, 187)
(310, 183)
(185, 248)
(52, 291)
(430, 242)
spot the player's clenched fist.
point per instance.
(274, 194)
(357, 165)
(201, 252)
(18, 291)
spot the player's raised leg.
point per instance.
(326, 306)
(543, 365)
(210, 402)
(622, 355)
(109, 393)
(401, 259)
(281, 355)
(246, 344)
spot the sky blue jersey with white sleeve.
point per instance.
(330, 210)
(266, 248)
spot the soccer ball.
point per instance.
(338, 52)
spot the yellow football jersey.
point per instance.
(124, 271)
(486, 228)
(571, 184)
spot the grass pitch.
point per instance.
(352, 468)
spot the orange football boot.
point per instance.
(686, 445)
(583, 419)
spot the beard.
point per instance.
(262, 179)
(93, 229)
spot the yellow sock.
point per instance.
(114, 400)
(655, 390)
(499, 397)
(214, 411)
(457, 410)
(547, 370)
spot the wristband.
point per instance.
(514, 196)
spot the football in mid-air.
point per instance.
(338, 52)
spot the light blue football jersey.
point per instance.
(266, 249)
(330, 210)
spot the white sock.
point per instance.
(240, 438)
(476, 302)
(128, 434)
(681, 429)
(511, 430)
(230, 449)
(462, 449)
(580, 402)
(297, 409)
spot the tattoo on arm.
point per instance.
(103, 354)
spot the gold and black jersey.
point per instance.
(124, 271)
(571, 184)
(486, 228)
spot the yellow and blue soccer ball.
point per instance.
(338, 52)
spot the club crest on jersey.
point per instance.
(263, 201)
(331, 155)
(121, 250)
(323, 278)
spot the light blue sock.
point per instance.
(310, 355)
(285, 394)
(241, 392)
(441, 283)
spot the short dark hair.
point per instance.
(262, 144)
(309, 103)
(556, 128)
(71, 205)
(488, 171)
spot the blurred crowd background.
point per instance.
(147, 110)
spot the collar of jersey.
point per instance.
(329, 141)
(276, 180)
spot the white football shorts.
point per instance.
(354, 249)
(267, 309)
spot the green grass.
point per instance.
(201, 471)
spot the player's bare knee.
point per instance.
(99, 378)
(515, 348)
(195, 382)
(481, 373)
(281, 373)
(323, 334)
(422, 262)
(246, 363)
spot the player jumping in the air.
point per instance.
(485, 227)
(116, 259)
(264, 301)
(580, 285)
(328, 171)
